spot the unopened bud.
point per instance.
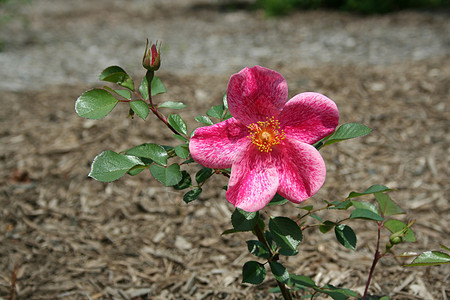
(152, 59)
(396, 239)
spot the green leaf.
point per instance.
(346, 236)
(203, 175)
(307, 207)
(192, 195)
(177, 123)
(257, 248)
(117, 75)
(185, 181)
(277, 200)
(337, 293)
(279, 271)
(365, 205)
(253, 272)
(287, 252)
(227, 115)
(371, 190)
(136, 170)
(286, 233)
(229, 231)
(216, 111)
(302, 280)
(124, 93)
(318, 145)
(387, 206)
(188, 161)
(326, 226)
(157, 87)
(168, 176)
(360, 213)
(109, 166)
(275, 290)
(95, 104)
(261, 224)
(143, 88)
(244, 221)
(348, 131)
(172, 105)
(140, 108)
(341, 205)
(269, 239)
(395, 226)
(182, 151)
(152, 151)
(430, 258)
(316, 217)
(204, 120)
(180, 137)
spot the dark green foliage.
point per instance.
(276, 7)
(244, 221)
(253, 272)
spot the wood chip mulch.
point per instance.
(66, 236)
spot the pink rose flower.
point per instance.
(268, 142)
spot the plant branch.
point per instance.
(260, 235)
(313, 211)
(149, 76)
(376, 258)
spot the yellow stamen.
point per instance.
(266, 134)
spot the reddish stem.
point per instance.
(149, 75)
(376, 258)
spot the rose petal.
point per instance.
(254, 180)
(309, 117)
(256, 93)
(217, 146)
(301, 171)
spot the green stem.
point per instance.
(260, 235)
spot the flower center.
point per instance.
(266, 134)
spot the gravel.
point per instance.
(50, 42)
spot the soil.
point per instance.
(66, 236)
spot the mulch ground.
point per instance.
(70, 237)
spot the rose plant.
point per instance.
(268, 147)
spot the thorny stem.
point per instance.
(149, 76)
(376, 258)
(284, 291)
